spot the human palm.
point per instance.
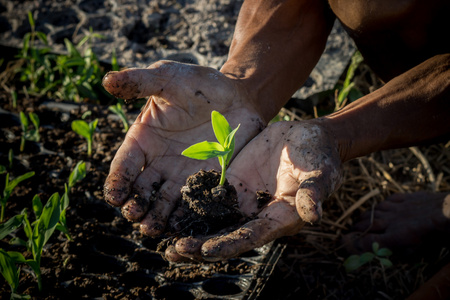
(148, 170)
(299, 164)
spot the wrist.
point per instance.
(251, 89)
(342, 137)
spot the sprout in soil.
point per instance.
(27, 133)
(223, 150)
(9, 188)
(85, 130)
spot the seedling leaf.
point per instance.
(384, 252)
(47, 222)
(220, 126)
(9, 270)
(78, 173)
(352, 263)
(385, 262)
(10, 225)
(81, 127)
(205, 150)
(37, 206)
(13, 183)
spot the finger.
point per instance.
(144, 192)
(138, 83)
(125, 167)
(190, 247)
(310, 196)
(172, 255)
(155, 220)
(275, 221)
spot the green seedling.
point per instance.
(117, 109)
(10, 158)
(10, 272)
(354, 262)
(77, 174)
(73, 76)
(223, 150)
(27, 133)
(9, 188)
(86, 130)
(38, 233)
(14, 98)
(349, 86)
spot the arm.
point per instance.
(411, 109)
(275, 46)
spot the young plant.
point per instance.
(10, 272)
(348, 86)
(77, 174)
(223, 150)
(8, 189)
(38, 232)
(354, 262)
(27, 133)
(117, 109)
(86, 130)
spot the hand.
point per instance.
(299, 164)
(148, 170)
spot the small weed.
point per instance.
(75, 76)
(354, 262)
(86, 130)
(117, 109)
(9, 188)
(27, 133)
(223, 150)
(47, 218)
(342, 94)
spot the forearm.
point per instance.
(275, 46)
(411, 109)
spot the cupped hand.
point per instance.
(299, 164)
(148, 170)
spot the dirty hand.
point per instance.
(148, 170)
(299, 164)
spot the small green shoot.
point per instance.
(223, 150)
(38, 233)
(11, 273)
(14, 98)
(74, 76)
(86, 130)
(10, 158)
(354, 262)
(8, 189)
(348, 86)
(117, 109)
(27, 133)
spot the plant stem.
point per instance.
(2, 214)
(89, 145)
(223, 165)
(22, 144)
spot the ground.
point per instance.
(109, 258)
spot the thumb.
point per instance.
(136, 83)
(309, 198)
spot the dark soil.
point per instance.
(208, 207)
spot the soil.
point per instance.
(208, 207)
